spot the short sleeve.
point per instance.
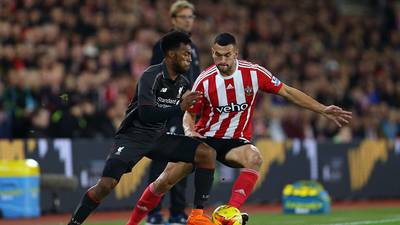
(268, 82)
(146, 88)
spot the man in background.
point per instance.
(182, 18)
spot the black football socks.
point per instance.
(83, 210)
(203, 180)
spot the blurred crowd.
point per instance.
(69, 68)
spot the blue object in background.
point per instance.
(305, 197)
(19, 189)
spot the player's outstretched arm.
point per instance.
(188, 125)
(332, 112)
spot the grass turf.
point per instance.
(386, 216)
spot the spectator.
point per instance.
(40, 121)
(81, 49)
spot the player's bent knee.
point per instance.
(257, 160)
(205, 155)
(207, 152)
(162, 184)
(254, 161)
(105, 185)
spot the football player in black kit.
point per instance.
(182, 18)
(162, 93)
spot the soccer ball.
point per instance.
(226, 215)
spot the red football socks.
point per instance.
(243, 187)
(146, 203)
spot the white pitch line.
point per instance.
(397, 219)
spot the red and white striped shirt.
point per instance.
(228, 102)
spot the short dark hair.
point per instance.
(173, 40)
(225, 39)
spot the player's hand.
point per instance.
(337, 115)
(192, 133)
(189, 99)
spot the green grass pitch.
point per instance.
(387, 216)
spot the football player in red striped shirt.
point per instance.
(229, 90)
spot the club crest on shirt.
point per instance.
(249, 91)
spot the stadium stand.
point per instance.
(68, 68)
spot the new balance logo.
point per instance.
(230, 86)
(119, 150)
(232, 108)
(163, 90)
(240, 191)
(143, 208)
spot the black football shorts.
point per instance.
(223, 146)
(127, 151)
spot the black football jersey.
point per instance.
(156, 89)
